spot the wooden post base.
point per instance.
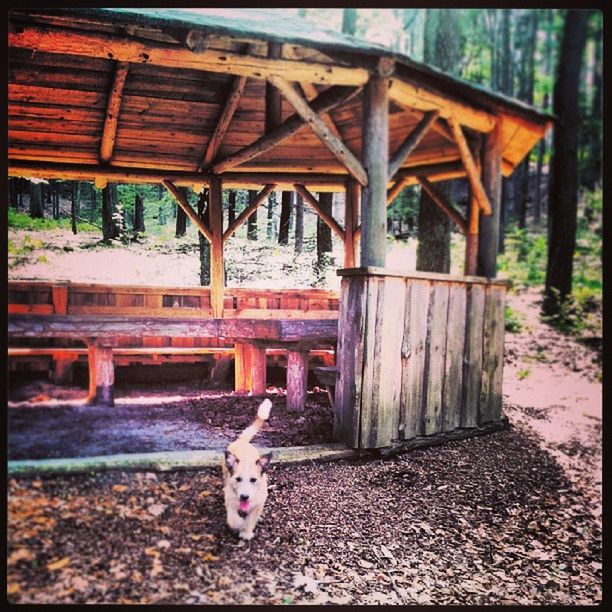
(250, 370)
(297, 377)
(62, 372)
(101, 375)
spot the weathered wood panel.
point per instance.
(473, 356)
(493, 353)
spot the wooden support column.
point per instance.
(297, 380)
(62, 367)
(375, 160)
(111, 120)
(351, 219)
(488, 237)
(217, 280)
(250, 368)
(473, 223)
(101, 374)
(242, 366)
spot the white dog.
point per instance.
(244, 474)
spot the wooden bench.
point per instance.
(252, 338)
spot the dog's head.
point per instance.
(247, 479)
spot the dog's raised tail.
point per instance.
(263, 414)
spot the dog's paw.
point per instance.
(246, 535)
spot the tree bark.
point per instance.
(324, 240)
(181, 215)
(231, 206)
(563, 179)
(74, 205)
(270, 216)
(13, 192)
(299, 223)
(110, 229)
(287, 198)
(441, 49)
(203, 213)
(252, 220)
(36, 205)
(139, 225)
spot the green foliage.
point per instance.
(405, 205)
(23, 221)
(514, 321)
(524, 260)
(524, 373)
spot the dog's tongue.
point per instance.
(244, 506)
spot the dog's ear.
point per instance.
(263, 462)
(230, 461)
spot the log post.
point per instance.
(242, 365)
(351, 215)
(471, 236)
(216, 252)
(376, 163)
(101, 375)
(62, 368)
(297, 380)
(256, 375)
(488, 237)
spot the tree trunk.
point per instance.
(349, 21)
(74, 205)
(110, 229)
(592, 173)
(270, 217)
(36, 205)
(442, 37)
(13, 192)
(94, 203)
(563, 190)
(324, 241)
(299, 223)
(231, 206)
(252, 220)
(285, 217)
(181, 216)
(139, 226)
(203, 213)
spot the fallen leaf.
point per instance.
(156, 509)
(163, 544)
(55, 565)
(21, 554)
(13, 588)
(119, 488)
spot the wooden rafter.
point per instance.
(122, 49)
(327, 218)
(332, 98)
(109, 132)
(441, 202)
(311, 92)
(411, 141)
(337, 147)
(192, 214)
(470, 166)
(225, 119)
(248, 211)
(411, 96)
(395, 190)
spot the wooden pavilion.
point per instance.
(256, 100)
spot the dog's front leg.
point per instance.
(250, 521)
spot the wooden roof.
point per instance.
(139, 94)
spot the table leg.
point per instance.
(297, 377)
(250, 368)
(101, 375)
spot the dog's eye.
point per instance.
(253, 479)
(239, 479)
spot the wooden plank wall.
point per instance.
(417, 357)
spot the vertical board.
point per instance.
(435, 358)
(473, 356)
(493, 353)
(413, 356)
(383, 425)
(374, 290)
(351, 329)
(453, 370)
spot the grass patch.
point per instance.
(23, 221)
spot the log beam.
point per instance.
(443, 204)
(231, 104)
(109, 132)
(189, 211)
(124, 49)
(470, 166)
(314, 204)
(331, 98)
(336, 146)
(217, 280)
(416, 97)
(375, 159)
(412, 141)
(248, 211)
(351, 216)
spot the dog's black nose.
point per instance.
(244, 497)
